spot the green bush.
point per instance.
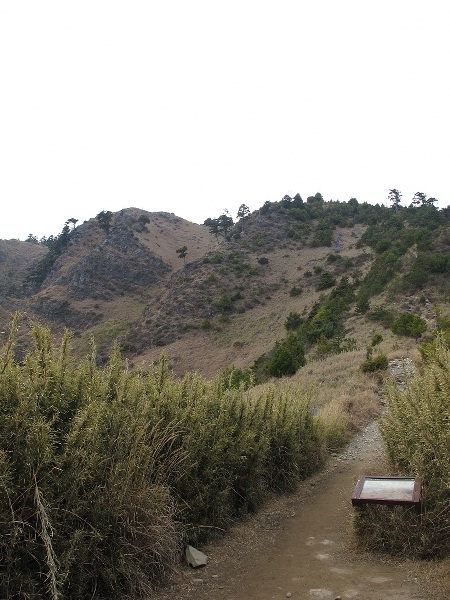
(381, 314)
(326, 280)
(377, 339)
(379, 363)
(235, 378)
(425, 265)
(295, 291)
(323, 235)
(335, 345)
(324, 317)
(362, 304)
(382, 270)
(293, 321)
(225, 303)
(288, 358)
(409, 324)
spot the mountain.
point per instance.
(228, 301)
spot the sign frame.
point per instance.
(390, 491)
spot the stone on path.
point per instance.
(195, 558)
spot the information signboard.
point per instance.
(387, 490)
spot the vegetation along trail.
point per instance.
(301, 546)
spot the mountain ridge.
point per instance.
(229, 303)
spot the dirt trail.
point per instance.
(298, 546)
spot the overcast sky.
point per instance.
(194, 106)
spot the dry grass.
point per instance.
(435, 576)
(167, 232)
(345, 398)
(16, 258)
(245, 337)
(341, 388)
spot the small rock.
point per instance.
(289, 595)
(199, 581)
(195, 558)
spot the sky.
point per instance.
(196, 106)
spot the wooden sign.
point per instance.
(387, 490)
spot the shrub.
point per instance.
(326, 281)
(324, 317)
(283, 363)
(382, 270)
(235, 378)
(377, 339)
(416, 433)
(288, 358)
(323, 235)
(409, 324)
(293, 321)
(382, 314)
(379, 363)
(295, 291)
(335, 345)
(263, 260)
(84, 500)
(225, 303)
(362, 304)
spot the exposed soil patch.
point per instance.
(301, 546)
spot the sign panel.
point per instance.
(387, 490)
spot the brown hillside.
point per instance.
(103, 281)
(189, 320)
(16, 258)
(226, 306)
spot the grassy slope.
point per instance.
(179, 299)
(15, 259)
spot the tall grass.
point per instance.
(105, 473)
(85, 501)
(416, 432)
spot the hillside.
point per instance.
(228, 308)
(16, 258)
(102, 281)
(228, 301)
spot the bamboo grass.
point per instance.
(416, 433)
(105, 473)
